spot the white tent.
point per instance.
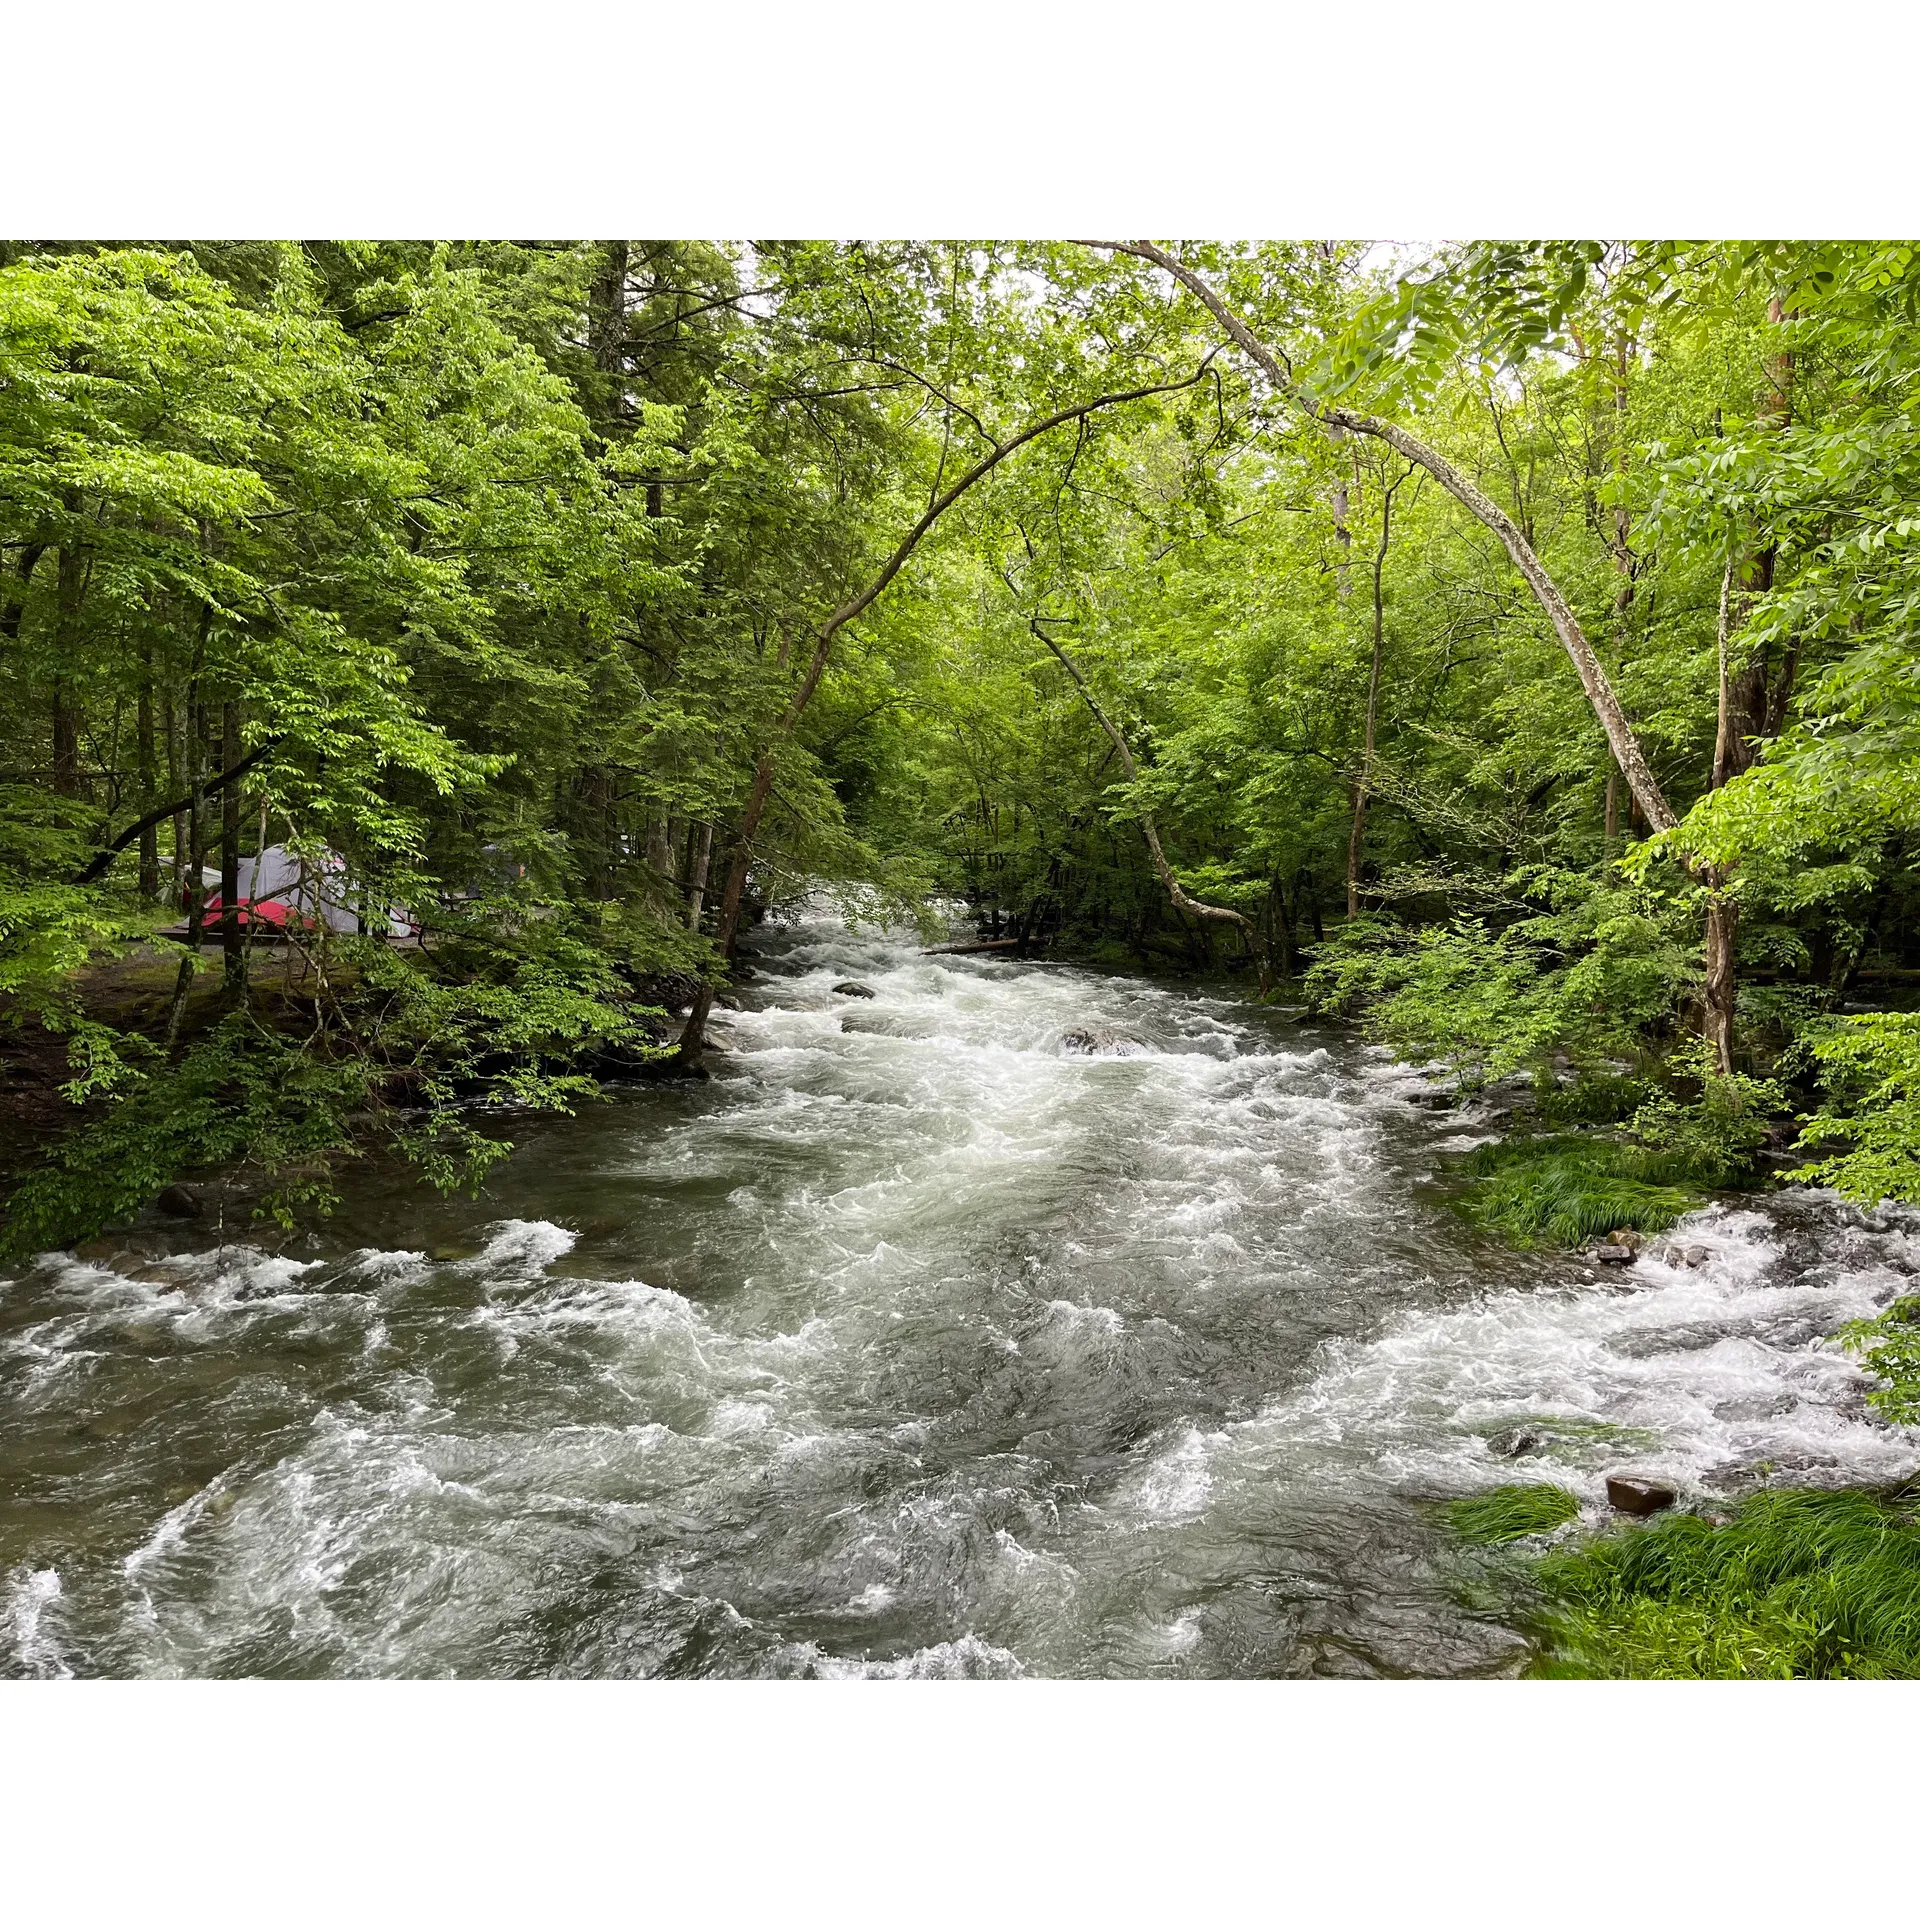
(310, 890)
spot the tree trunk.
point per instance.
(149, 784)
(1758, 695)
(197, 742)
(1717, 1001)
(253, 919)
(1752, 705)
(1622, 552)
(14, 609)
(1343, 566)
(697, 884)
(66, 742)
(1362, 786)
(1282, 942)
(70, 589)
(1723, 742)
(600, 842)
(607, 336)
(176, 757)
(1025, 939)
(660, 846)
(232, 935)
(1717, 1016)
(597, 814)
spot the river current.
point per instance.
(914, 1343)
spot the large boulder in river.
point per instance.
(1100, 1040)
(855, 991)
(1628, 1493)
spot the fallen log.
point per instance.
(973, 946)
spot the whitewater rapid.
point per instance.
(914, 1343)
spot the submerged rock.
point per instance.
(1762, 1406)
(855, 991)
(1629, 1494)
(1099, 1040)
(1511, 1442)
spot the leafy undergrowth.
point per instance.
(413, 1052)
(1795, 1585)
(1891, 1343)
(1511, 1513)
(1565, 1189)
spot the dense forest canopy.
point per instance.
(1510, 646)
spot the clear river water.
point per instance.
(914, 1343)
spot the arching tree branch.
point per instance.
(1593, 676)
(727, 918)
(102, 860)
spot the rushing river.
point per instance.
(913, 1343)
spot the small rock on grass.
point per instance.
(1630, 1494)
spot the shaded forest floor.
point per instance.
(131, 995)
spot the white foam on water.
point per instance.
(521, 1248)
(33, 1608)
(1710, 1377)
(191, 1299)
(1181, 1634)
(1084, 1325)
(399, 1264)
(1176, 1482)
(171, 1531)
(968, 1658)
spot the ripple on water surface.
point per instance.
(921, 1342)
